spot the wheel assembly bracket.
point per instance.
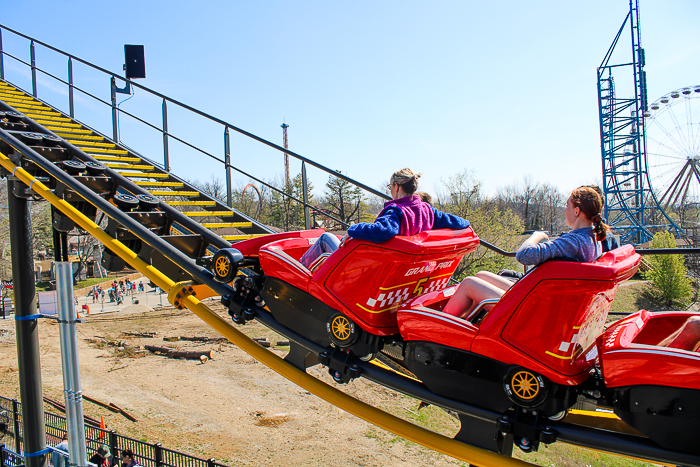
(242, 303)
(524, 430)
(340, 366)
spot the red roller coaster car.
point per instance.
(541, 347)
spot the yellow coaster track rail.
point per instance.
(180, 295)
(472, 418)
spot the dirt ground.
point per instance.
(231, 407)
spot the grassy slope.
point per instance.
(630, 297)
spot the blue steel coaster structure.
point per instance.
(631, 206)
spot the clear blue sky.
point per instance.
(506, 88)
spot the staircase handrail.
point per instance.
(189, 108)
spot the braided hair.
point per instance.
(590, 203)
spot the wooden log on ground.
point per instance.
(123, 412)
(175, 353)
(194, 339)
(100, 403)
(62, 408)
(202, 339)
(140, 334)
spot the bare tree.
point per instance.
(85, 246)
(214, 187)
(539, 206)
(462, 195)
(551, 205)
(521, 199)
(40, 212)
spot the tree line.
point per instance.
(504, 220)
(501, 219)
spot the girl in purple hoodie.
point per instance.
(405, 214)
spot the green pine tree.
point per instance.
(668, 280)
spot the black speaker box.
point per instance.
(135, 61)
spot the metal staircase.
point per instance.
(209, 212)
(149, 195)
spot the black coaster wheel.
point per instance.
(95, 168)
(342, 331)
(225, 264)
(73, 167)
(32, 138)
(525, 387)
(126, 202)
(147, 202)
(51, 139)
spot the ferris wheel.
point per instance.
(673, 154)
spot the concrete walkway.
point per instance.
(151, 298)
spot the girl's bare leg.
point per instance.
(494, 279)
(469, 294)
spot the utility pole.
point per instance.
(26, 326)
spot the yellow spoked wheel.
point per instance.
(341, 329)
(525, 387)
(225, 264)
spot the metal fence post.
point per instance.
(2, 66)
(112, 439)
(158, 454)
(70, 88)
(33, 62)
(166, 153)
(227, 160)
(15, 419)
(115, 130)
(305, 189)
(211, 462)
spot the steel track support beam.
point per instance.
(26, 326)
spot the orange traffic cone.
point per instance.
(103, 430)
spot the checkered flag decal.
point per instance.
(398, 296)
